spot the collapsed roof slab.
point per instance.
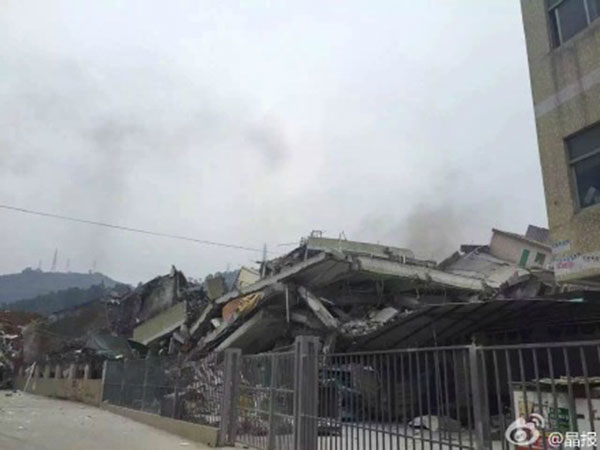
(257, 334)
(425, 274)
(284, 274)
(209, 312)
(238, 316)
(161, 325)
(356, 248)
(493, 271)
(324, 269)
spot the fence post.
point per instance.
(175, 413)
(103, 384)
(72, 371)
(230, 397)
(272, 387)
(306, 392)
(144, 385)
(480, 402)
(123, 374)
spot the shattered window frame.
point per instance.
(583, 147)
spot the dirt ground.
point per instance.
(33, 422)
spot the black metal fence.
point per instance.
(266, 401)
(189, 391)
(396, 399)
(554, 386)
(540, 396)
(531, 396)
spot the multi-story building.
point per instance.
(563, 47)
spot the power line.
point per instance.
(133, 230)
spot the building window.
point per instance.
(569, 17)
(524, 258)
(540, 259)
(584, 158)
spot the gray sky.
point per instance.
(408, 123)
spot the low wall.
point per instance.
(79, 390)
(190, 431)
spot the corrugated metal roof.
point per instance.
(436, 324)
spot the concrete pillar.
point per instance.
(86, 372)
(21, 371)
(306, 392)
(36, 371)
(104, 369)
(57, 371)
(47, 371)
(479, 399)
(230, 397)
(72, 371)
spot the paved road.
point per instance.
(33, 422)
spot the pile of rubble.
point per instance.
(11, 342)
(335, 289)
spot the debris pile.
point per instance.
(203, 385)
(11, 343)
(335, 289)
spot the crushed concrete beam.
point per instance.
(316, 305)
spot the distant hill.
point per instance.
(31, 283)
(68, 298)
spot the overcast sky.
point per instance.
(408, 123)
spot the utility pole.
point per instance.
(263, 266)
(54, 260)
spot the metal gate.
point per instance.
(537, 396)
(402, 399)
(266, 401)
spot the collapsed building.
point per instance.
(352, 295)
(345, 292)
